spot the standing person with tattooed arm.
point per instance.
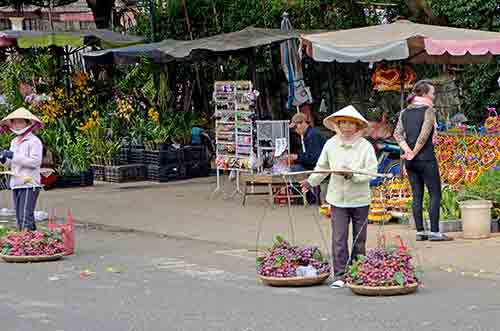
(414, 132)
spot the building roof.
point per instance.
(79, 6)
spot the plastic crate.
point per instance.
(197, 169)
(165, 173)
(136, 155)
(194, 153)
(124, 157)
(98, 172)
(125, 173)
(83, 179)
(164, 157)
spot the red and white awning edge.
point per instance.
(398, 50)
(462, 47)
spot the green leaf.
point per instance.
(419, 274)
(317, 255)
(279, 239)
(6, 250)
(354, 270)
(259, 261)
(399, 278)
(279, 261)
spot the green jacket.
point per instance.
(346, 193)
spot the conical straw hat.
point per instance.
(349, 113)
(21, 113)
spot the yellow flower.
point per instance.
(125, 109)
(153, 115)
(91, 123)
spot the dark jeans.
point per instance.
(341, 217)
(426, 173)
(25, 203)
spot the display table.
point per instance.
(269, 181)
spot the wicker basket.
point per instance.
(383, 290)
(294, 281)
(28, 259)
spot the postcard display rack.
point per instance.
(273, 143)
(234, 112)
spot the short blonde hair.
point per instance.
(299, 117)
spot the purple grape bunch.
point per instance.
(384, 267)
(32, 243)
(283, 259)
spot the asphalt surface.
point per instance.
(136, 281)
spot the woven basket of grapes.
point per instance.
(384, 272)
(287, 265)
(31, 259)
(32, 246)
(383, 290)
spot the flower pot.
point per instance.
(476, 218)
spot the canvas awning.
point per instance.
(29, 39)
(191, 50)
(404, 40)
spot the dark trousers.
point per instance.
(25, 202)
(420, 174)
(341, 217)
(313, 196)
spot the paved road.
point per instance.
(172, 284)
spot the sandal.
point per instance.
(337, 284)
(439, 237)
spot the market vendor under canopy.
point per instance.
(312, 143)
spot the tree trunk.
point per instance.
(102, 10)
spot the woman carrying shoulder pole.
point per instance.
(348, 194)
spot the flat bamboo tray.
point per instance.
(28, 259)
(382, 290)
(294, 281)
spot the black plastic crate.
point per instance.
(194, 153)
(136, 155)
(171, 157)
(98, 172)
(124, 157)
(197, 169)
(125, 173)
(83, 179)
(165, 173)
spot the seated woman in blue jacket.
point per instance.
(312, 143)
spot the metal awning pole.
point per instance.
(402, 83)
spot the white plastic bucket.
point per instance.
(476, 218)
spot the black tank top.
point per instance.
(413, 119)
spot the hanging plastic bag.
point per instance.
(322, 107)
(67, 231)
